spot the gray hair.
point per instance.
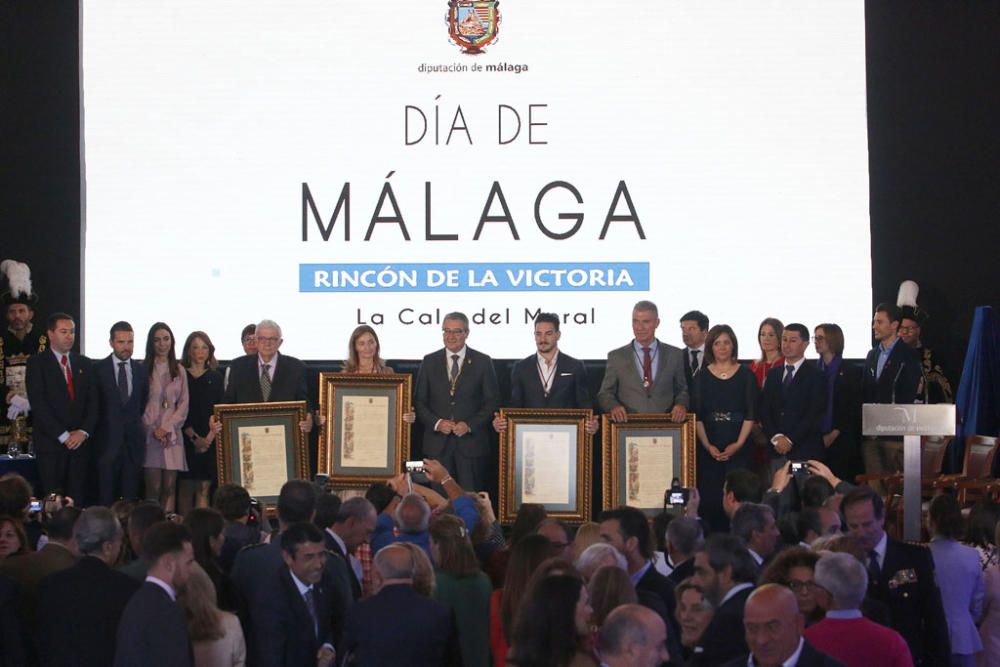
(395, 561)
(269, 324)
(357, 508)
(685, 534)
(96, 527)
(748, 518)
(461, 317)
(623, 627)
(844, 577)
(647, 305)
(598, 554)
(413, 501)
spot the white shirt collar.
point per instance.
(793, 659)
(880, 548)
(60, 355)
(756, 556)
(543, 362)
(734, 590)
(796, 365)
(273, 363)
(164, 585)
(303, 588)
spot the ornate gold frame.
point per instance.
(518, 417)
(613, 455)
(399, 387)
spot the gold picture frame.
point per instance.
(556, 441)
(364, 422)
(261, 446)
(636, 444)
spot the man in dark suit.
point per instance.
(724, 570)
(398, 627)
(892, 375)
(11, 639)
(292, 623)
(152, 630)
(456, 396)
(645, 375)
(83, 605)
(64, 403)
(694, 331)
(627, 530)
(120, 441)
(774, 627)
(550, 378)
(901, 576)
(684, 537)
(793, 403)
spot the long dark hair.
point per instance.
(525, 557)
(211, 362)
(204, 524)
(353, 362)
(150, 359)
(545, 633)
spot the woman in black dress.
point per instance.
(205, 388)
(725, 400)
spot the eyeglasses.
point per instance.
(269, 339)
(453, 332)
(802, 586)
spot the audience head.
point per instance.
(122, 340)
(769, 336)
(694, 327)
(327, 510)
(525, 557)
(830, 521)
(551, 621)
(808, 525)
(296, 501)
(587, 533)
(394, 564)
(15, 495)
(633, 636)
(609, 587)
(844, 578)
(423, 572)
(741, 486)
(198, 599)
(167, 550)
(658, 524)
(722, 563)
(60, 525)
(597, 556)
(864, 516)
(795, 568)
(829, 337)
(816, 490)
(558, 534)
(885, 322)
(304, 551)
(13, 539)
(773, 624)
(645, 319)
(140, 519)
(980, 529)
(694, 611)
(98, 533)
(755, 525)
(529, 516)
(627, 529)
(721, 344)
(233, 501)
(451, 546)
(198, 349)
(841, 544)
(794, 341)
(945, 517)
(380, 495)
(206, 526)
(413, 514)
(684, 536)
(355, 522)
(61, 330)
(248, 338)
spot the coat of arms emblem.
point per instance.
(472, 24)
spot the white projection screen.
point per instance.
(330, 163)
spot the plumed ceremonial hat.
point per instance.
(18, 284)
(907, 302)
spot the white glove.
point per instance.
(19, 405)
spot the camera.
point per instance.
(35, 507)
(677, 494)
(800, 467)
(416, 471)
(255, 513)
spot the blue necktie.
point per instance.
(786, 382)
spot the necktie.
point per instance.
(310, 601)
(874, 570)
(69, 377)
(694, 361)
(265, 381)
(647, 367)
(787, 380)
(122, 382)
(454, 368)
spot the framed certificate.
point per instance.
(261, 446)
(643, 456)
(545, 458)
(365, 439)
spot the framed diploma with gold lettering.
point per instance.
(643, 456)
(261, 446)
(364, 439)
(545, 458)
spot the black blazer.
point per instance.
(53, 411)
(81, 608)
(654, 583)
(340, 566)
(284, 632)
(900, 380)
(120, 425)
(400, 628)
(689, 375)
(797, 411)
(908, 589)
(288, 384)
(255, 564)
(725, 638)
(810, 657)
(477, 396)
(153, 631)
(569, 385)
(11, 641)
(682, 571)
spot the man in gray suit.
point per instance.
(646, 375)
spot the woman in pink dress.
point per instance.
(769, 338)
(166, 412)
